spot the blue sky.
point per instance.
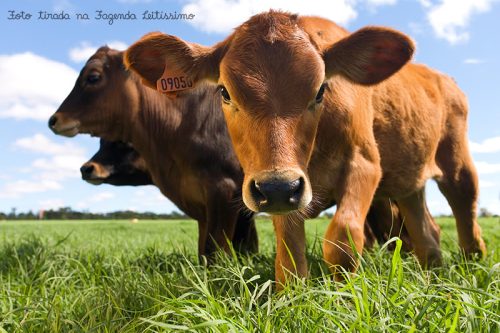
(39, 61)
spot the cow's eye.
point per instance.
(321, 91)
(225, 95)
(93, 78)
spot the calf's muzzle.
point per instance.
(276, 192)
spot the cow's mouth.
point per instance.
(94, 180)
(71, 132)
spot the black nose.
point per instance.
(52, 121)
(86, 170)
(277, 195)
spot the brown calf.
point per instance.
(317, 115)
(183, 142)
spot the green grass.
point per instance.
(114, 276)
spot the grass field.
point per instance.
(114, 276)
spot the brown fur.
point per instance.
(183, 142)
(363, 142)
(119, 109)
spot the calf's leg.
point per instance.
(355, 195)
(460, 187)
(370, 237)
(386, 222)
(290, 248)
(421, 228)
(222, 217)
(459, 182)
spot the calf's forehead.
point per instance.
(104, 58)
(257, 68)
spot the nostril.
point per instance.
(52, 121)
(296, 189)
(86, 169)
(257, 194)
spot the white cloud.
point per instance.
(31, 86)
(62, 161)
(63, 5)
(381, 2)
(82, 205)
(84, 50)
(39, 143)
(425, 3)
(150, 196)
(58, 167)
(491, 145)
(131, 2)
(51, 204)
(492, 206)
(487, 168)
(473, 61)
(20, 187)
(141, 193)
(450, 18)
(416, 28)
(439, 206)
(91, 201)
(221, 16)
(102, 196)
(486, 184)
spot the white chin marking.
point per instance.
(69, 132)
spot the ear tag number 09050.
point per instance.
(173, 80)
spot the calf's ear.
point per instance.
(369, 55)
(155, 53)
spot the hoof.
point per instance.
(475, 251)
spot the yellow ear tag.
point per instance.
(173, 80)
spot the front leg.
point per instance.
(354, 195)
(245, 238)
(222, 217)
(290, 248)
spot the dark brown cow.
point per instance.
(318, 115)
(184, 143)
(116, 163)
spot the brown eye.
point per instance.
(93, 78)
(225, 95)
(319, 95)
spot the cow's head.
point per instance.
(116, 163)
(274, 85)
(101, 92)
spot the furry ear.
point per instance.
(369, 55)
(152, 54)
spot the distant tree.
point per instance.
(67, 213)
(484, 212)
(12, 215)
(327, 215)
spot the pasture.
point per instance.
(115, 276)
